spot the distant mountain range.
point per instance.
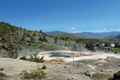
(118, 37)
(88, 35)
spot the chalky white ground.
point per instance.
(86, 55)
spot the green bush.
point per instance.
(116, 50)
(35, 45)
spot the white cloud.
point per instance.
(73, 28)
(77, 25)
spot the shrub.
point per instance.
(41, 60)
(23, 58)
(33, 58)
(3, 76)
(44, 67)
(116, 50)
(116, 76)
(101, 76)
(37, 74)
(1, 69)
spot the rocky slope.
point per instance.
(13, 39)
(8, 40)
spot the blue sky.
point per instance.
(62, 15)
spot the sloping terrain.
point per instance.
(8, 40)
(13, 39)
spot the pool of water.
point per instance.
(57, 54)
(86, 62)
